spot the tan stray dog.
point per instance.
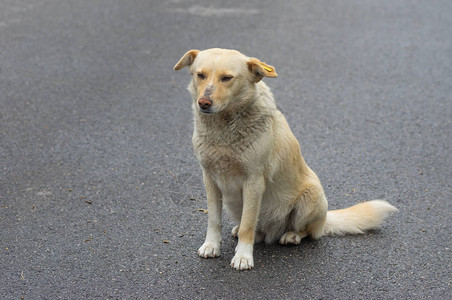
(251, 161)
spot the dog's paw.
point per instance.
(209, 250)
(240, 262)
(235, 231)
(243, 258)
(291, 238)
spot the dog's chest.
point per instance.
(229, 148)
(219, 159)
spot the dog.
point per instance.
(252, 164)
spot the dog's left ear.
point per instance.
(186, 60)
(260, 69)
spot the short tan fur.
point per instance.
(252, 163)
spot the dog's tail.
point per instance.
(358, 218)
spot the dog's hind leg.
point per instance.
(292, 237)
(235, 231)
(316, 228)
(307, 218)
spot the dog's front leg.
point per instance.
(211, 246)
(253, 189)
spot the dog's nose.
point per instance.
(204, 103)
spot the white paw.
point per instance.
(240, 262)
(243, 258)
(209, 249)
(291, 238)
(235, 231)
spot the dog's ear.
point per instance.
(186, 60)
(260, 69)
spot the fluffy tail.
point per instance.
(358, 218)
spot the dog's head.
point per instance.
(222, 78)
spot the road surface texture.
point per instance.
(100, 192)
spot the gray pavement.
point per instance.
(100, 193)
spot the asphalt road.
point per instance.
(101, 195)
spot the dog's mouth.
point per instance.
(207, 111)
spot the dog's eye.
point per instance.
(226, 78)
(201, 76)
